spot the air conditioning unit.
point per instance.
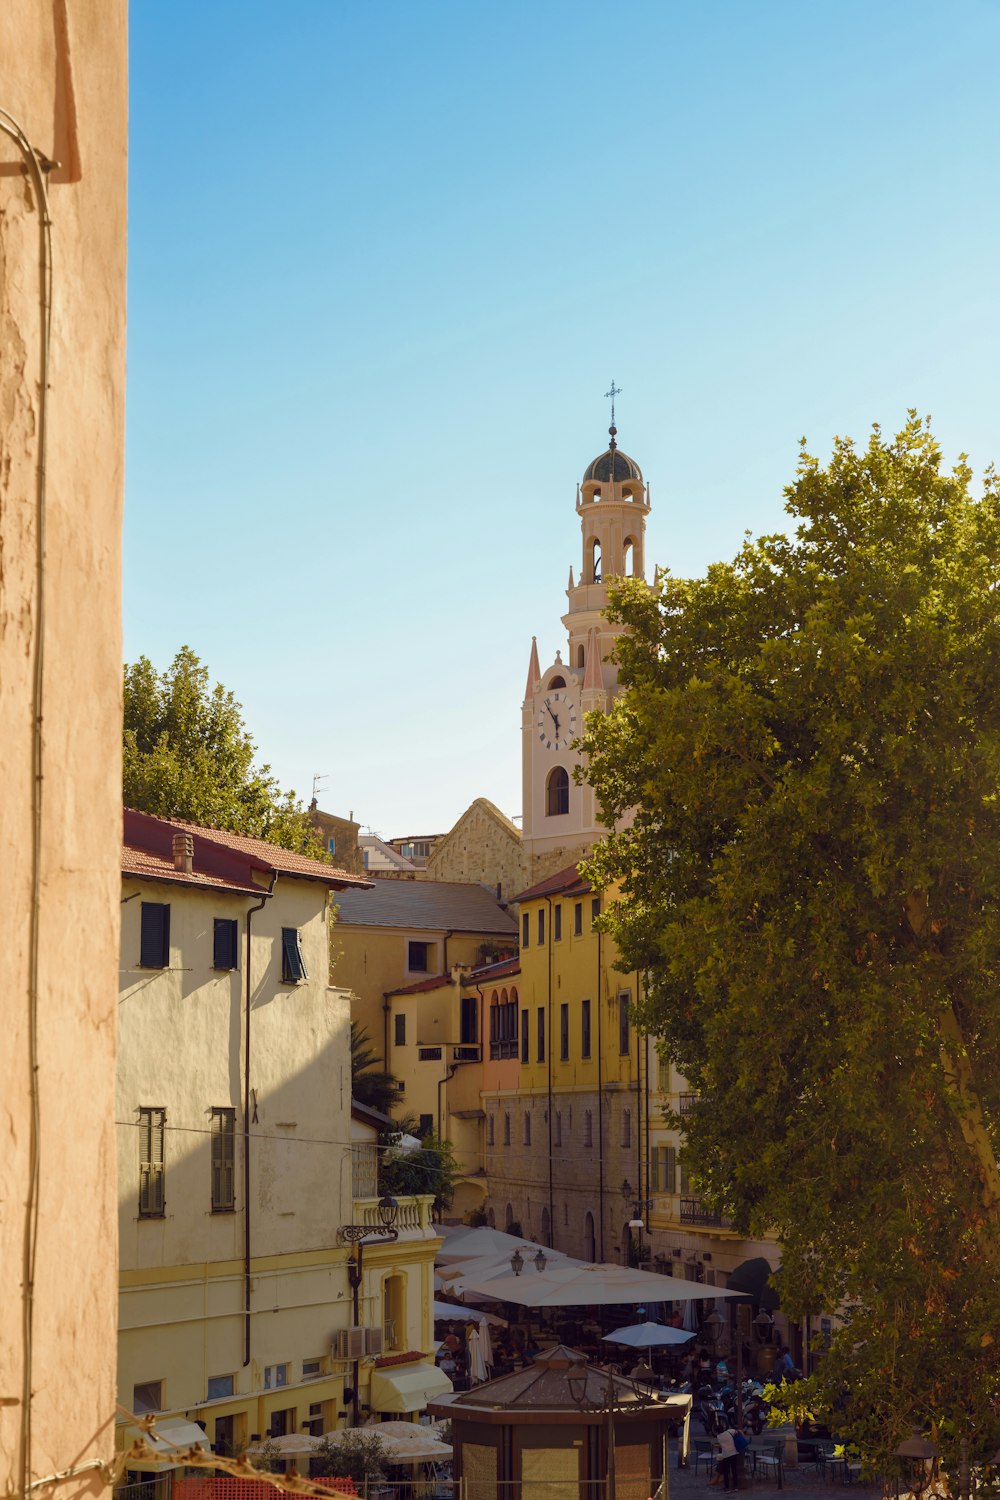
(373, 1341)
(400, 1086)
(349, 1343)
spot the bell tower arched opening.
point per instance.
(557, 792)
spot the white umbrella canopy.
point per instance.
(477, 1365)
(648, 1336)
(574, 1284)
(460, 1275)
(456, 1312)
(398, 1446)
(288, 1446)
(469, 1244)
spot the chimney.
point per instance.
(183, 852)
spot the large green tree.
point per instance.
(809, 739)
(188, 754)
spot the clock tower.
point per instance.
(560, 819)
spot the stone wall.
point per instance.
(484, 846)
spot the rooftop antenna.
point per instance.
(317, 778)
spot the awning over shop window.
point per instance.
(407, 1389)
(170, 1435)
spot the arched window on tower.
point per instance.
(556, 682)
(557, 792)
(589, 1238)
(581, 656)
(629, 558)
(594, 561)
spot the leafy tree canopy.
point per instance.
(357, 1455)
(429, 1168)
(188, 754)
(809, 737)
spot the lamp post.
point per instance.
(382, 1233)
(636, 1223)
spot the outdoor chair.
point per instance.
(704, 1452)
(770, 1459)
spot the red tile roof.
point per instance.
(563, 883)
(498, 970)
(434, 983)
(221, 859)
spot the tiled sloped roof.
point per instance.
(564, 882)
(438, 905)
(499, 970)
(285, 860)
(145, 865)
(434, 983)
(221, 859)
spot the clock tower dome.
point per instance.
(560, 819)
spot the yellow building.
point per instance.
(241, 1191)
(402, 932)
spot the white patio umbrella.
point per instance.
(648, 1336)
(477, 1365)
(290, 1445)
(574, 1284)
(469, 1244)
(456, 1312)
(486, 1344)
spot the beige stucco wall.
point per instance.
(63, 77)
(181, 1047)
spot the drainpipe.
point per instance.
(246, 1127)
(550, 1042)
(452, 1070)
(639, 1105)
(600, 1095)
(646, 1046)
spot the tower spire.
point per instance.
(615, 390)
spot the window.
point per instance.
(331, 846)
(316, 1424)
(541, 925)
(595, 909)
(540, 1029)
(312, 1369)
(564, 1033)
(223, 1161)
(663, 1169)
(525, 929)
(503, 1025)
(577, 918)
(224, 951)
(526, 1129)
(275, 1376)
(220, 1386)
(588, 1127)
(147, 1396)
(490, 1124)
(506, 1128)
(585, 1028)
(626, 1128)
(468, 1021)
(624, 1028)
(556, 923)
(557, 792)
(399, 1028)
(293, 967)
(426, 1126)
(416, 957)
(589, 1238)
(152, 1124)
(557, 1129)
(154, 935)
(524, 1036)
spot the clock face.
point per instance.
(556, 721)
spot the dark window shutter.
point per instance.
(154, 935)
(225, 943)
(293, 968)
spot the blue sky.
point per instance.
(386, 258)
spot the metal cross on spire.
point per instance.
(615, 390)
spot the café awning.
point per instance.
(407, 1388)
(171, 1435)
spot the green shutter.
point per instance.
(670, 1169)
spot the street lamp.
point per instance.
(517, 1262)
(921, 1460)
(763, 1323)
(541, 1260)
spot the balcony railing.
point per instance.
(455, 1052)
(693, 1211)
(503, 1049)
(413, 1215)
(686, 1103)
(388, 1334)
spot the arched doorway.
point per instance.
(589, 1237)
